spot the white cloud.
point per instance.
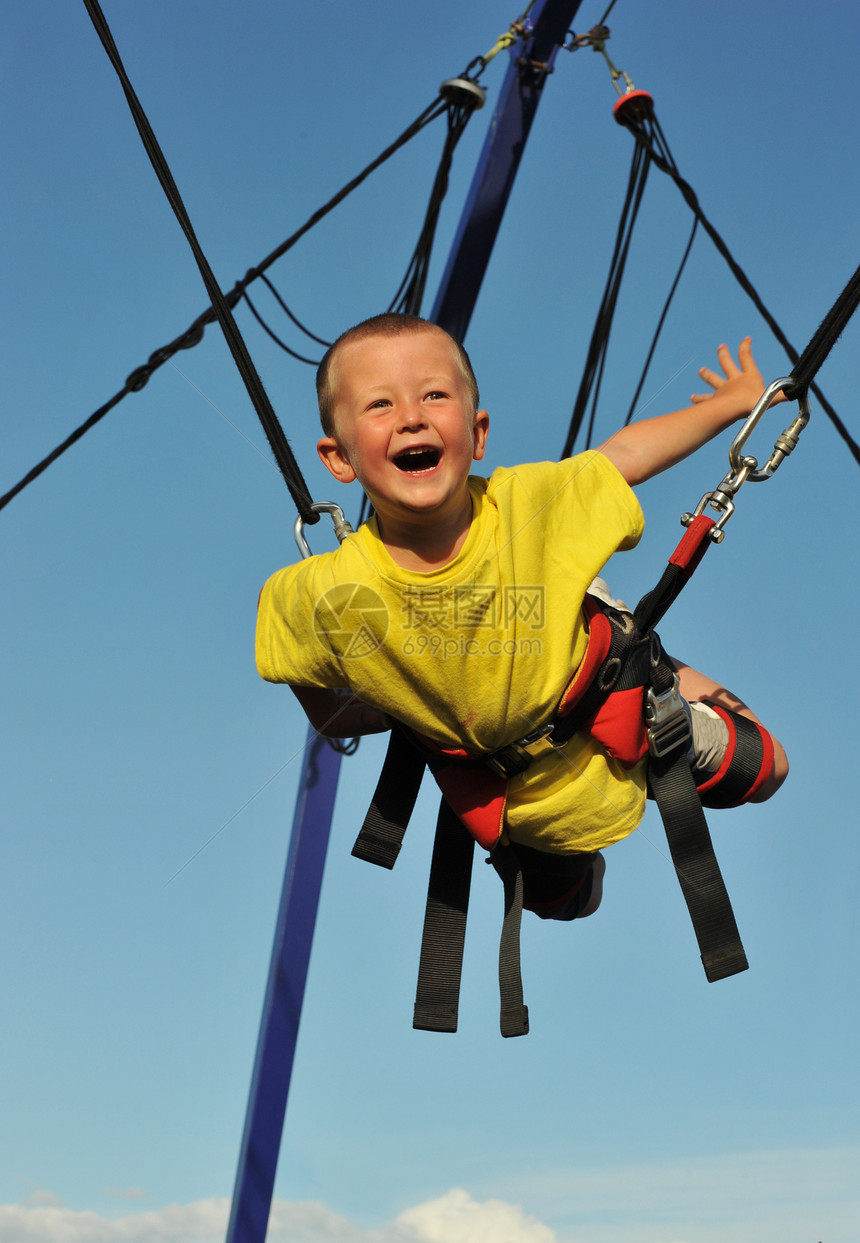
(452, 1218)
(457, 1218)
(37, 1222)
(749, 1198)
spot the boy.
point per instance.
(458, 608)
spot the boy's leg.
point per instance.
(562, 887)
(697, 687)
(597, 873)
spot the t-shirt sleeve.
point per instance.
(623, 497)
(287, 648)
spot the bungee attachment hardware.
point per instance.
(463, 91)
(744, 467)
(667, 719)
(784, 445)
(341, 527)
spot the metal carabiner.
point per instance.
(341, 527)
(785, 443)
(744, 467)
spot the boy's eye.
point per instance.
(380, 404)
(436, 395)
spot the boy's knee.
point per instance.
(776, 777)
(734, 758)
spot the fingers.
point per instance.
(731, 369)
(728, 364)
(745, 357)
(711, 377)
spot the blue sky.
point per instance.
(646, 1105)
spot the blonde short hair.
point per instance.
(391, 324)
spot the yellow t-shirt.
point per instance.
(477, 653)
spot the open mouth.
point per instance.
(411, 461)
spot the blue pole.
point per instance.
(282, 1008)
(461, 282)
(497, 166)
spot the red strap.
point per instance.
(693, 545)
(599, 640)
(619, 726)
(477, 796)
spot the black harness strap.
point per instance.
(438, 992)
(514, 1014)
(635, 657)
(381, 836)
(379, 841)
(673, 788)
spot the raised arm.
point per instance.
(647, 448)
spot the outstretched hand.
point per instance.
(741, 384)
(642, 450)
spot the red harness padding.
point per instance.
(478, 795)
(747, 763)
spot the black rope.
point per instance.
(649, 136)
(298, 323)
(589, 388)
(825, 338)
(286, 348)
(667, 155)
(660, 322)
(410, 294)
(194, 333)
(284, 456)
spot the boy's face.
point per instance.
(404, 424)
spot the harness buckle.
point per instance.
(667, 720)
(516, 757)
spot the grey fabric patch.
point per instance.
(710, 739)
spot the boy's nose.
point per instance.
(412, 417)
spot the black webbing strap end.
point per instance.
(514, 1014)
(375, 847)
(438, 992)
(719, 966)
(381, 836)
(673, 787)
(428, 1018)
(515, 1022)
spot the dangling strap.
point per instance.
(672, 785)
(438, 992)
(381, 835)
(698, 872)
(514, 1015)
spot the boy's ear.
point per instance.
(332, 458)
(481, 429)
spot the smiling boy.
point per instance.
(457, 609)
